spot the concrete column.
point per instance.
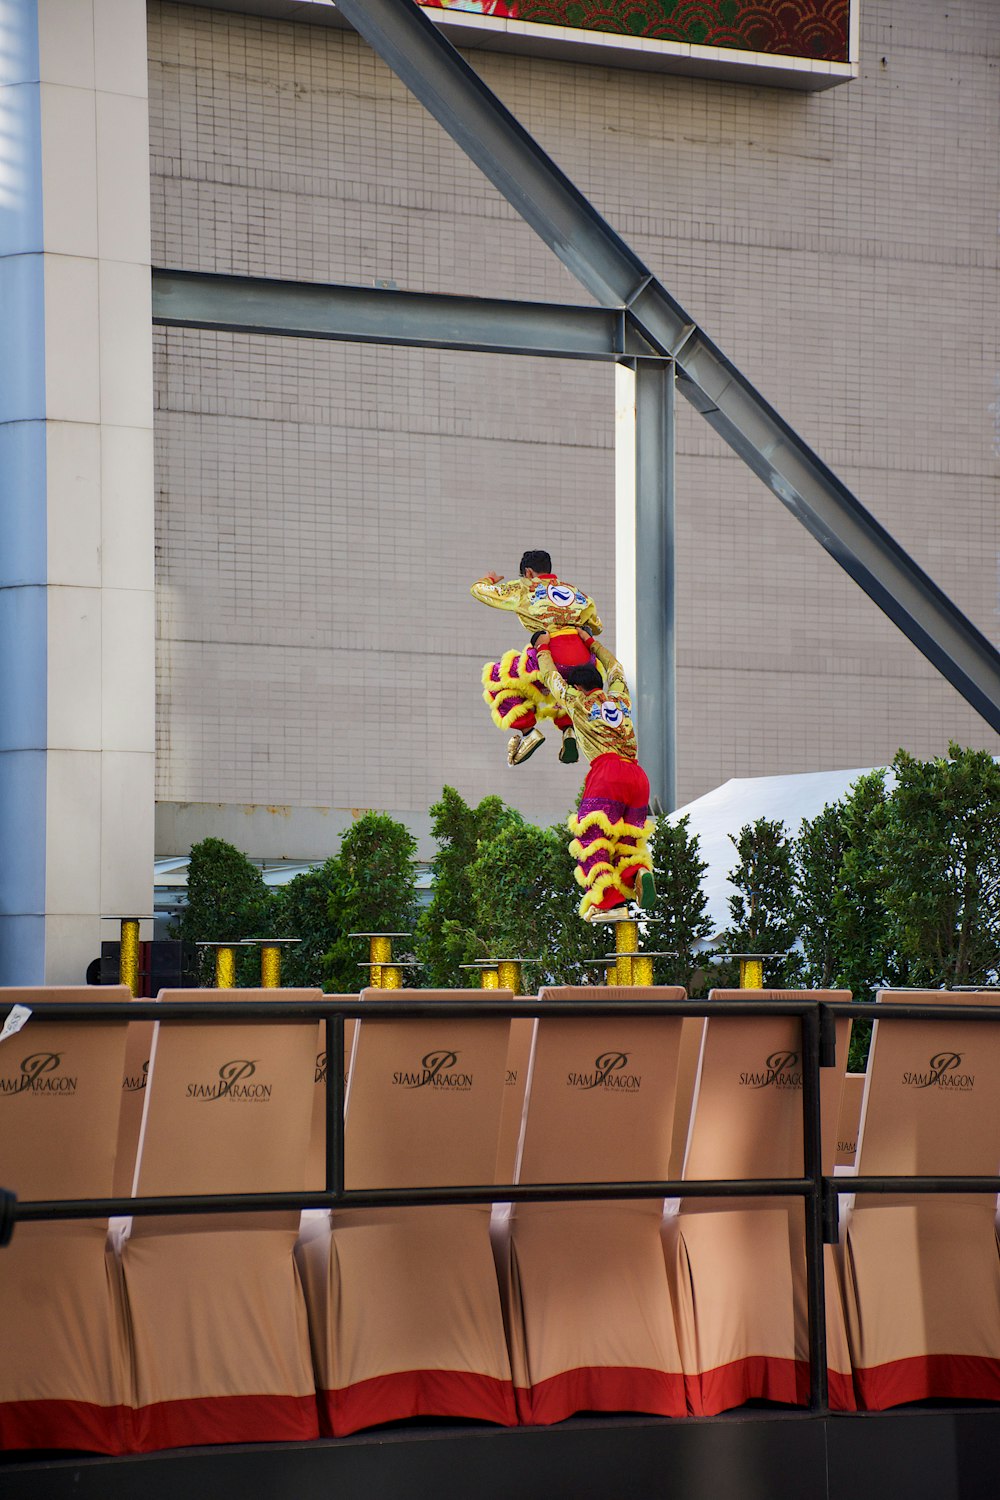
(644, 562)
(77, 642)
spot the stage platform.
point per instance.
(947, 1454)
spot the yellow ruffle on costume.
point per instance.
(605, 874)
(525, 686)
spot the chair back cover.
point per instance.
(228, 1107)
(60, 1094)
(424, 1099)
(747, 1119)
(601, 1092)
(932, 1100)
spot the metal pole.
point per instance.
(644, 563)
(334, 1104)
(489, 979)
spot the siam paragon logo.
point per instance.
(235, 1082)
(608, 1073)
(38, 1073)
(438, 1070)
(780, 1071)
(134, 1083)
(942, 1073)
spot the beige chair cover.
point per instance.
(922, 1274)
(64, 1379)
(404, 1309)
(850, 1119)
(738, 1273)
(219, 1333)
(586, 1298)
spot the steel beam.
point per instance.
(449, 89)
(377, 315)
(644, 562)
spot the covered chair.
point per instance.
(404, 1309)
(737, 1268)
(220, 1339)
(922, 1273)
(586, 1298)
(64, 1374)
(850, 1119)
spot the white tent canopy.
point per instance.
(718, 817)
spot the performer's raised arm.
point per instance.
(614, 672)
(499, 593)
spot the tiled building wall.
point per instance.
(322, 508)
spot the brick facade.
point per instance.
(323, 507)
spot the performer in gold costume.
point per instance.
(612, 825)
(513, 686)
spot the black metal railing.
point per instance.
(820, 1193)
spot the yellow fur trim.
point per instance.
(504, 721)
(626, 858)
(597, 890)
(598, 872)
(613, 831)
(527, 687)
(595, 819)
(597, 846)
(524, 680)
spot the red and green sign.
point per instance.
(787, 28)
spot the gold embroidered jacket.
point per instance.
(602, 718)
(541, 603)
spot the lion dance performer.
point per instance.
(513, 686)
(612, 823)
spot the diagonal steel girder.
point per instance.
(587, 245)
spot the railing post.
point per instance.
(812, 1154)
(334, 1104)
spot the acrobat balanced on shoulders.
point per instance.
(513, 686)
(611, 827)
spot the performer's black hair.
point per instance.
(584, 676)
(538, 562)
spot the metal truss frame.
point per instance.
(639, 325)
